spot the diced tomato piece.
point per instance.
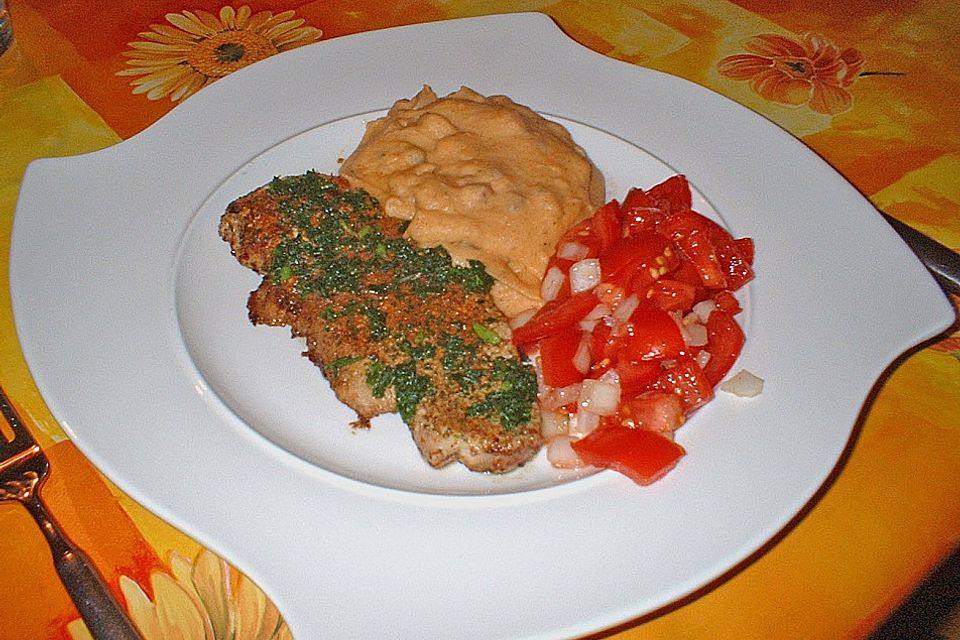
(745, 247)
(672, 195)
(637, 198)
(635, 262)
(734, 256)
(605, 225)
(735, 267)
(556, 357)
(603, 347)
(642, 248)
(654, 410)
(639, 212)
(691, 233)
(651, 334)
(636, 375)
(609, 294)
(643, 456)
(687, 380)
(724, 342)
(727, 302)
(672, 295)
(581, 233)
(554, 316)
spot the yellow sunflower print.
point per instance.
(197, 47)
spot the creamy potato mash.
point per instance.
(485, 177)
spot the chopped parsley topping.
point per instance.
(510, 402)
(340, 363)
(485, 333)
(409, 385)
(339, 242)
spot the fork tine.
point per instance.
(22, 446)
(6, 431)
(12, 417)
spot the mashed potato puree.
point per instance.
(487, 178)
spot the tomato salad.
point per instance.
(637, 328)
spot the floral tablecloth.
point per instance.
(870, 85)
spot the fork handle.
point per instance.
(105, 618)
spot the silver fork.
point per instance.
(23, 469)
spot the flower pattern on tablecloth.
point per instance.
(204, 599)
(813, 71)
(197, 47)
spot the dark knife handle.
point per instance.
(103, 615)
(941, 261)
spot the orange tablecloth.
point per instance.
(870, 85)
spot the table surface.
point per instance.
(884, 116)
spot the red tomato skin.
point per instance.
(630, 252)
(687, 380)
(735, 257)
(639, 213)
(556, 358)
(745, 247)
(692, 235)
(603, 349)
(688, 273)
(581, 233)
(672, 295)
(651, 334)
(724, 342)
(637, 198)
(554, 316)
(641, 455)
(736, 268)
(672, 195)
(727, 302)
(654, 410)
(636, 375)
(609, 294)
(605, 225)
(637, 261)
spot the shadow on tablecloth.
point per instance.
(932, 612)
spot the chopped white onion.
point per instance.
(572, 251)
(744, 384)
(703, 358)
(610, 376)
(582, 423)
(695, 335)
(703, 309)
(626, 308)
(598, 312)
(584, 275)
(554, 398)
(600, 398)
(581, 359)
(542, 388)
(561, 454)
(588, 325)
(553, 424)
(552, 282)
(522, 318)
